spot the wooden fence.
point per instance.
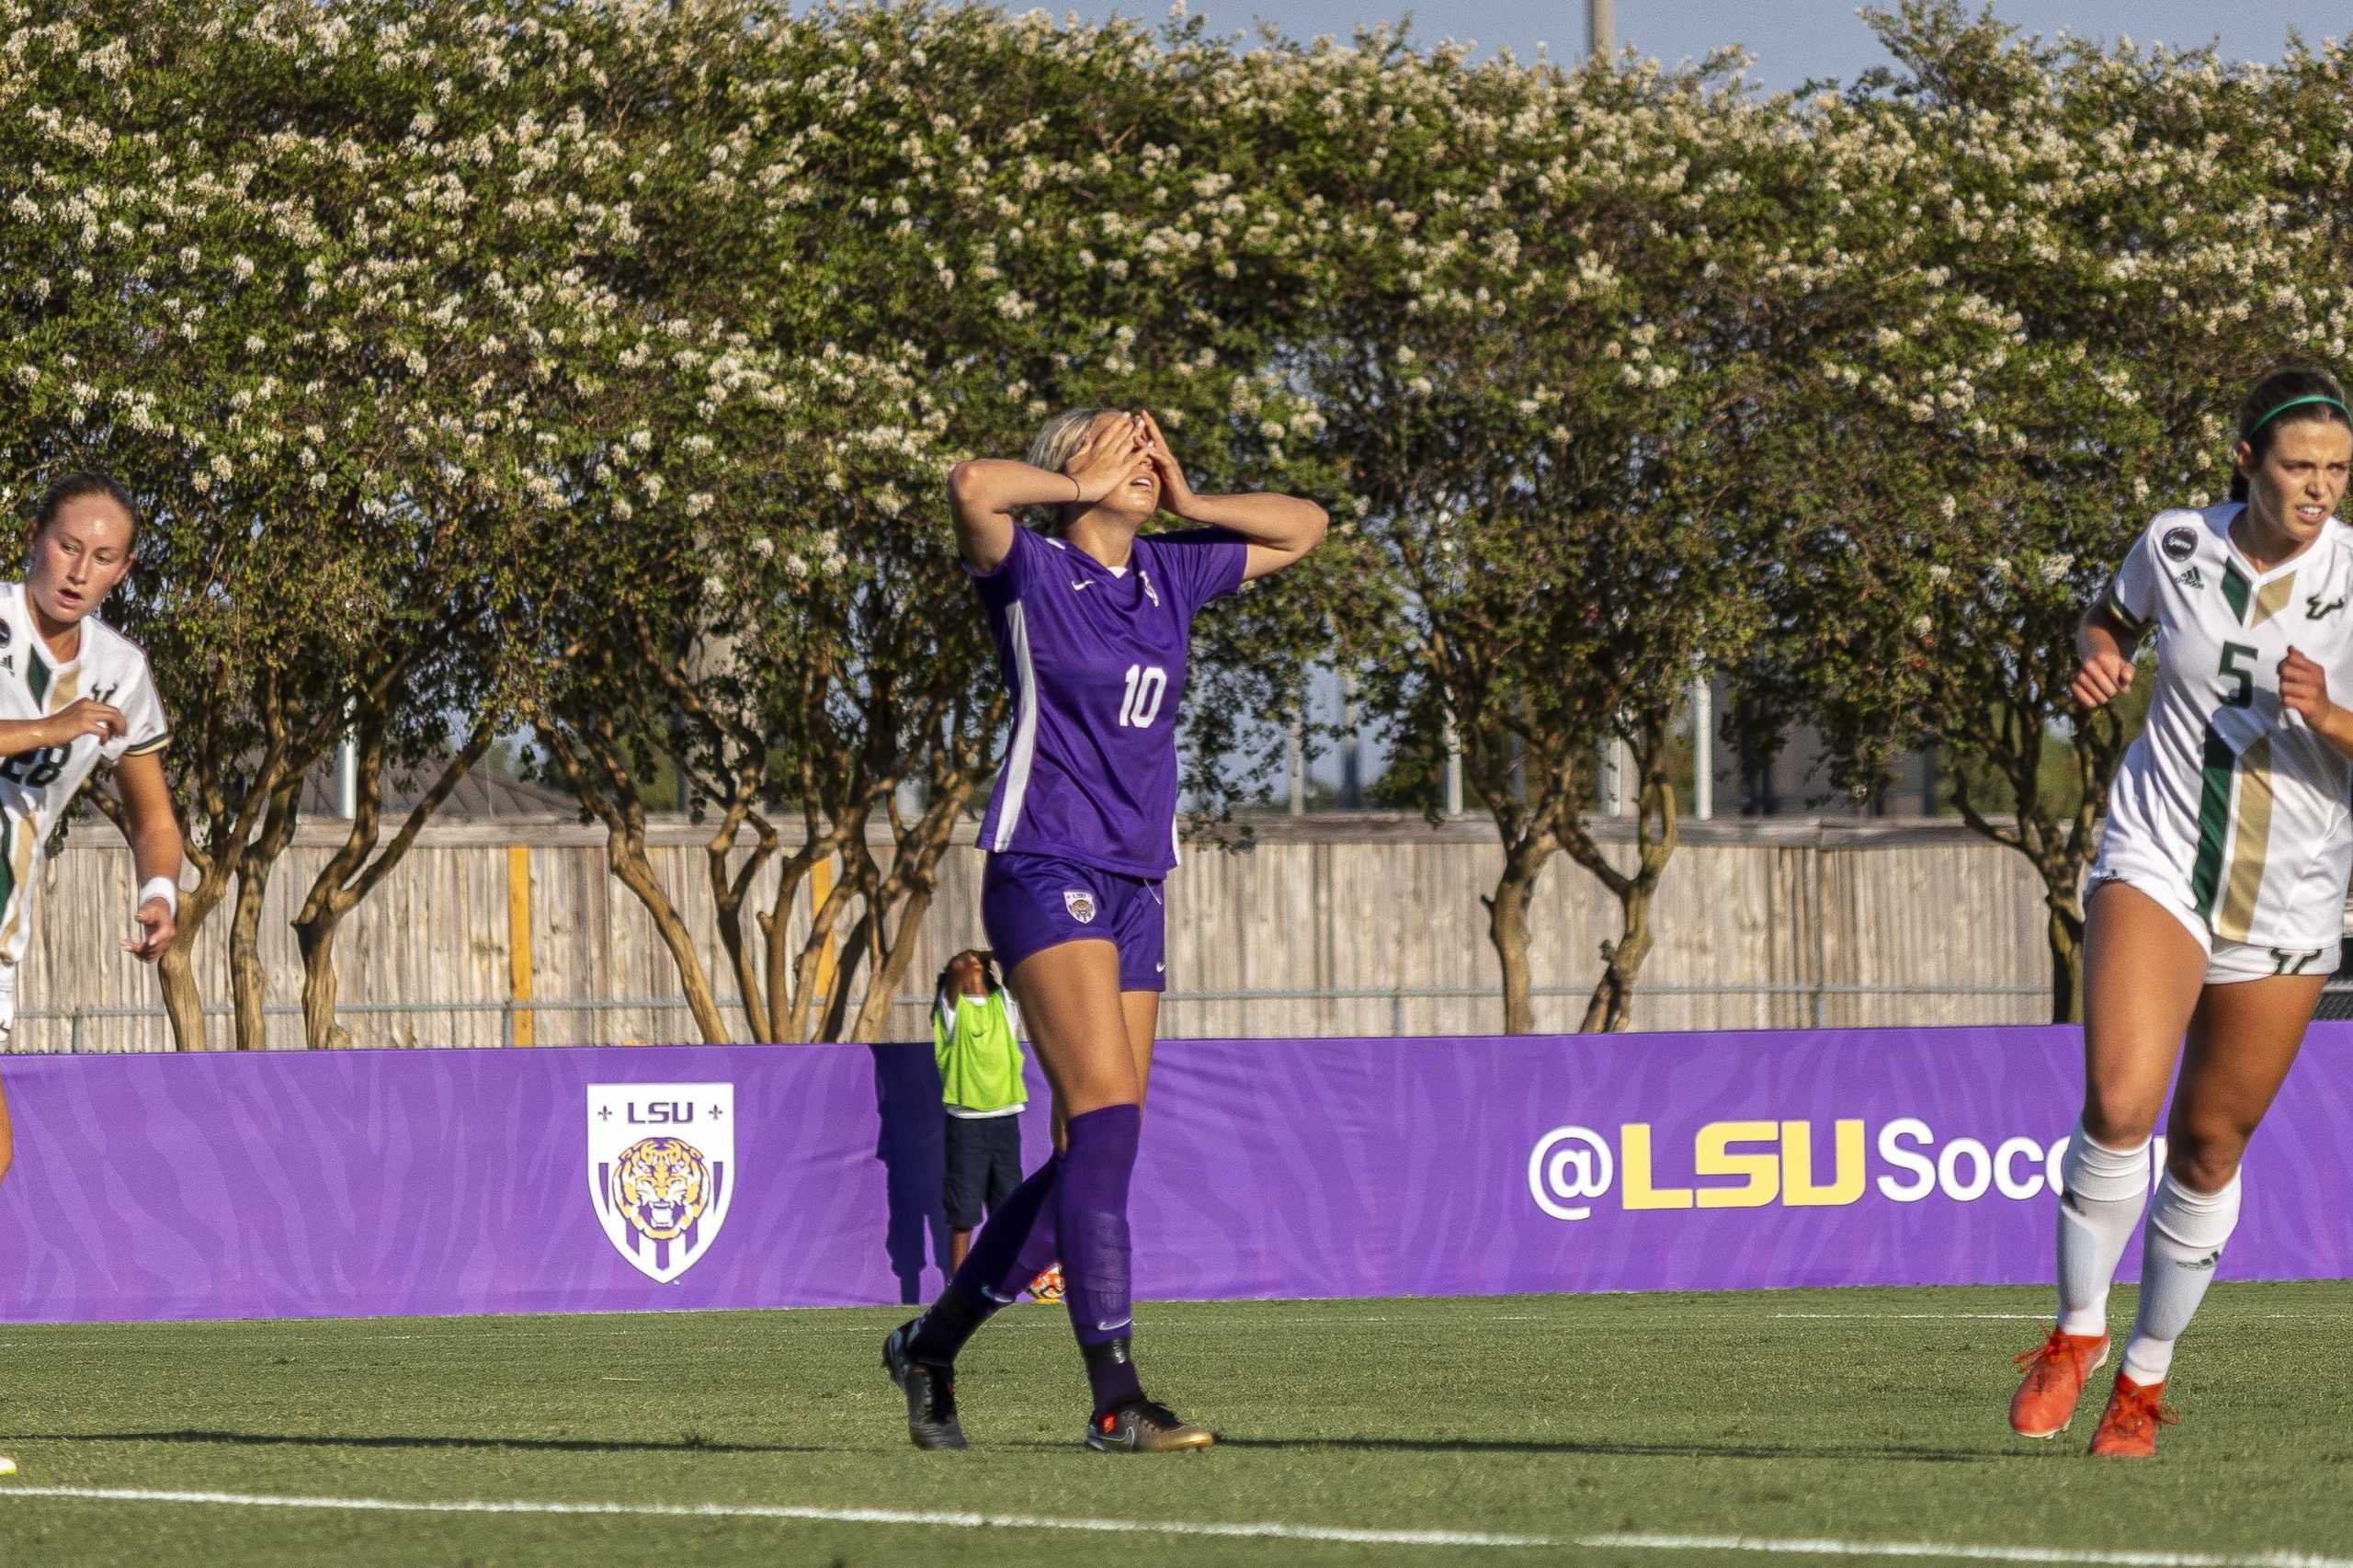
(490, 927)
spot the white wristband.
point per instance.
(163, 888)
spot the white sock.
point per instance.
(2105, 1190)
(2178, 1253)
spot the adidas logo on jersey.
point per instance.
(2191, 580)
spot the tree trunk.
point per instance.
(625, 853)
(620, 806)
(882, 988)
(1611, 1009)
(355, 868)
(2065, 934)
(729, 886)
(183, 1003)
(248, 985)
(319, 985)
(1508, 930)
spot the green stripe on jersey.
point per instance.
(2213, 821)
(2124, 618)
(2238, 590)
(7, 864)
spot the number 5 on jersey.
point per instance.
(2244, 696)
(1147, 684)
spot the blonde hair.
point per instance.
(1056, 442)
(1059, 438)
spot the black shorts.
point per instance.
(983, 1166)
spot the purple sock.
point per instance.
(995, 1270)
(1092, 1206)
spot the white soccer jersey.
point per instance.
(2229, 807)
(36, 786)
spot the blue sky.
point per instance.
(1792, 40)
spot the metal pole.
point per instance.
(1600, 27)
(1703, 749)
(1297, 757)
(1351, 749)
(1613, 778)
(1453, 769)
(347, 778)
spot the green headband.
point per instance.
(2297, 402)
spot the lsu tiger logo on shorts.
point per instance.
(662, 1170)
(1081, 905)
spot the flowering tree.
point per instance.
(1546, 369)
(351, 363)
(966, 224)
(2064, 300)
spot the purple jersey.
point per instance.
(1096, 663)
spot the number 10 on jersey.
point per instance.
(1147, 684)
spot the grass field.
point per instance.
(1609, 1429)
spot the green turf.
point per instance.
(1553, 1416)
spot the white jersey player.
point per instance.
(74, 692)
(2218, 896)
(2230, 810)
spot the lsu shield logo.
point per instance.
(662, 1170)
(1081, 905)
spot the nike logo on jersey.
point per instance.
(1081, 586)
(1145, 578)
(2315, 610)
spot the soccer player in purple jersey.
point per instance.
(1092, 620)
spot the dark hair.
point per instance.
(73, 487)
(988, 971)
(2283, 397)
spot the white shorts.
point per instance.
(2227, 962)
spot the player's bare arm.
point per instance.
(68, 725)
(155, 832)
(1279, 529)
(2105, 648)
(984, 492)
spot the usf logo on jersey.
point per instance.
(2315, 610)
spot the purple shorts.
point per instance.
(1030, 902)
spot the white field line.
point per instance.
(2021, 1317)
(1912, 1317)
(1946, 1550)
(1963, 1552)
(792, 1512)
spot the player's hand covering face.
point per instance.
(1114, 467)
(1176, 491)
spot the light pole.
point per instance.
(1600, 28)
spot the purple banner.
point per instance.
(630, 1179)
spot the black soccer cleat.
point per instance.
(930, 1391)
(1145, 1427)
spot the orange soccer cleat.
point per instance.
(1048, 1286)
(2055, 1373)
(2127, 1427)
